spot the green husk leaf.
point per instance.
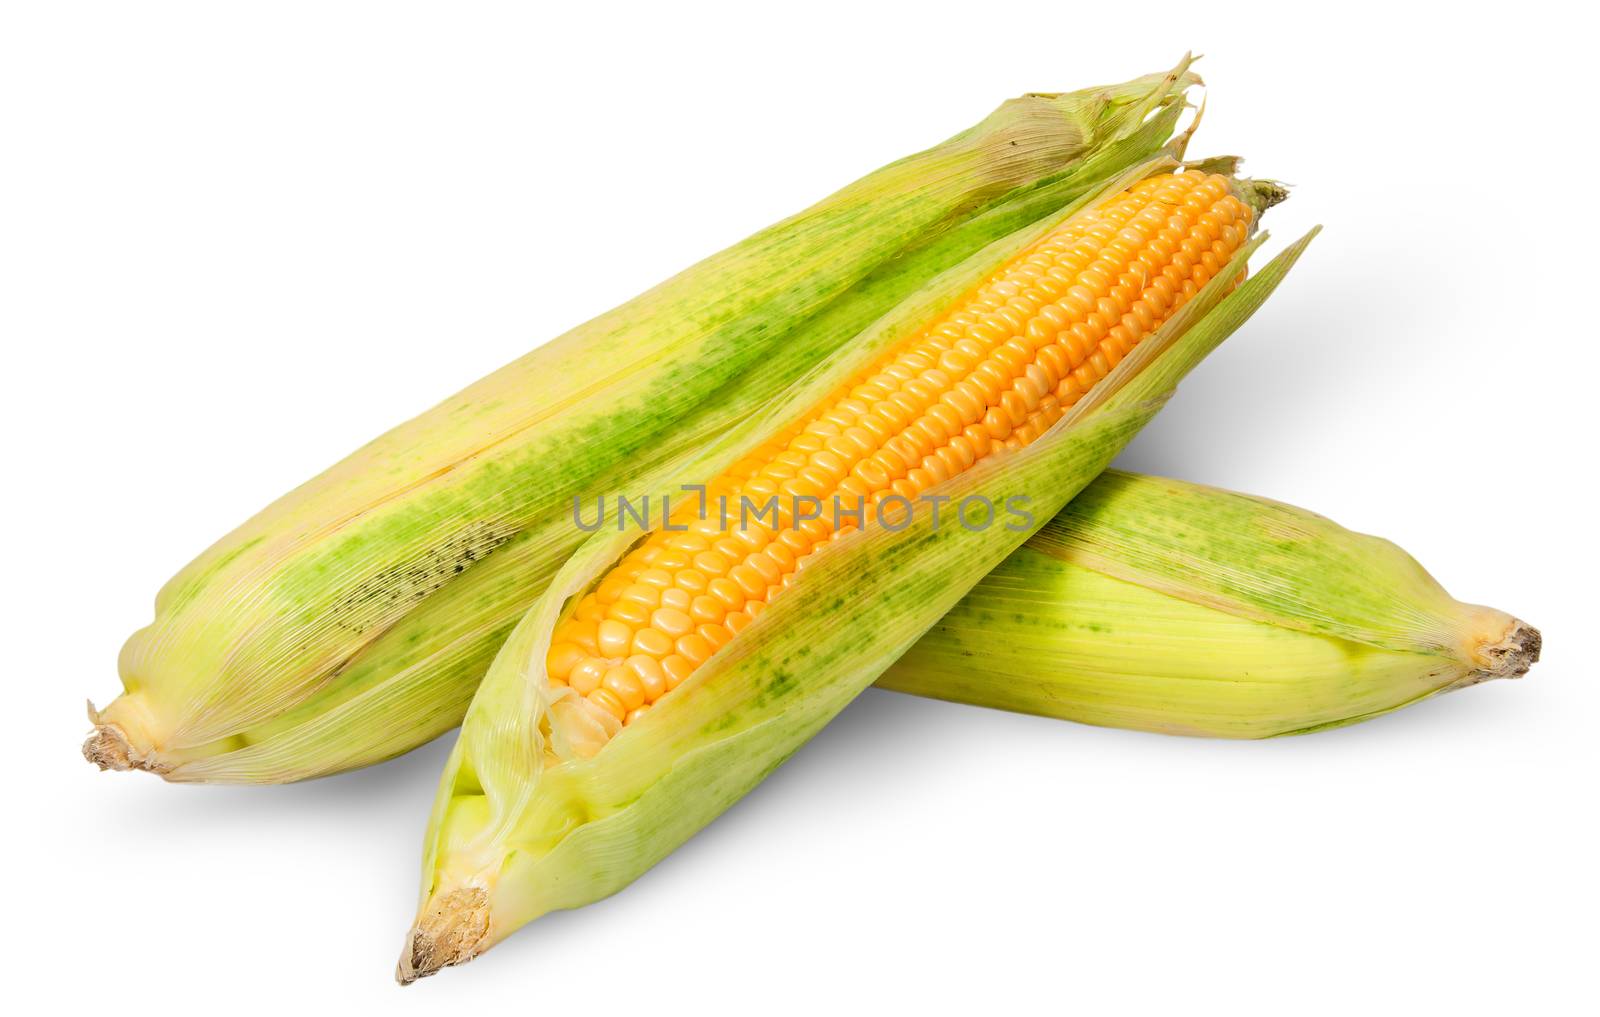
(1259, 559)
(1166, 606)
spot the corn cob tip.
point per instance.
(1262, 194)
(1510, 657)
(452, 930)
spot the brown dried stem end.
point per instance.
(451, 931)
(109, 748)
(1511, 657)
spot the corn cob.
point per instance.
(556, 795)
(947, 399)
(351, 620)
(1165, 606)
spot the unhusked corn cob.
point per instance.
(1166, 606)
(550, 801)
(995, 372)
(352, 619)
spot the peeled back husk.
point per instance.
(1166, 606)
(351, 620)
(525, 824)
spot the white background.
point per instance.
(241, 239)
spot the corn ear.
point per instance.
(351, 620)
(1166, 606)
(520, 828)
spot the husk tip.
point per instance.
(1514, 655)
(452, 930)
(1511, 656)
(109, 747)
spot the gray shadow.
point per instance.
(379, 789)
(1286, 377)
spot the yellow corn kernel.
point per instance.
(996, 371)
